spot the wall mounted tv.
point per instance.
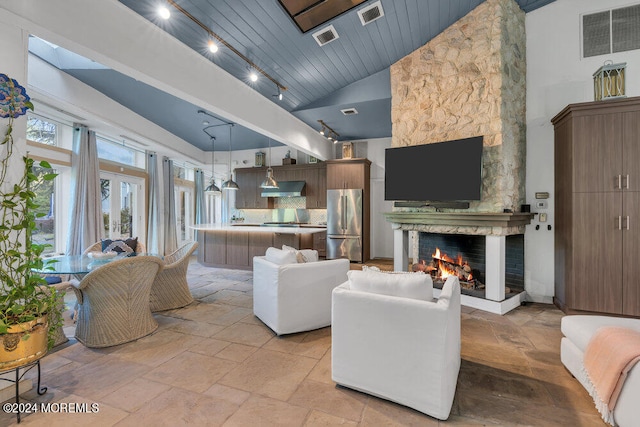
(443, 171)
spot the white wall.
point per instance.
(557, 76)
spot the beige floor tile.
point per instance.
(201, 312)
(500, 357)
(338, 401)
(259, 410)
(320, 419)
(270, 373)
(322, 371)
(311, 344)
(130, 398)
(245, 333)
(199, 329)
(209, 346)
(191, 371)
(237, 352)
(153, 350)
(178, 407)
(79, 412)
(380, 412)
(97, 379)
(236, 314)
(229, 394)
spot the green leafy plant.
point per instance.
(24, 295)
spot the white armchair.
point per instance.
(399, 348)
(295, 297)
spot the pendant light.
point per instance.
(230, 184)
(269, 181)
(212, 188)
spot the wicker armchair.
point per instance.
(113, 302)
(170, 289)
(97, 247)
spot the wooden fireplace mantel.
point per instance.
(482, 223)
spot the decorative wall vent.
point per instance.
(349, 111)
(325, 35)
(371, 13)
(611, 31)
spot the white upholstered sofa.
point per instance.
(577, 331)
(400, 348)
(291, 296)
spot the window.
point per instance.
(42, 130)
(45, 233)
(611, 31)
(119, 153)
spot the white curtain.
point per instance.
(201, 213)
(85, 217)
(170, 235)
(155, 235)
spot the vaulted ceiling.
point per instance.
(351, 71)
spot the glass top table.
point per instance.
(79, 264)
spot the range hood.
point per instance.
(285, 189)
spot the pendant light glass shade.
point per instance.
(230, 184)
(269, 181)
(212, 188)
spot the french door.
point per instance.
(184, 213)
(122, 206)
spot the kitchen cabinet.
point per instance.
(249, 180)
(597, 201)
(237, 248)
(213, 247)
(258, 245)
(320, 243)
(348, 173)
(248, 195)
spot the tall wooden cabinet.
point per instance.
(597, 202)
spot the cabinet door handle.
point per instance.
(619, 182)
(627, 222)
(619, 223)
(626, 181)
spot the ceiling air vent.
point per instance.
(349, 111)
(325, 35)
(371, 13)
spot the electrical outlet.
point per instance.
(543, 217)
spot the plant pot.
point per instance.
(24, 343)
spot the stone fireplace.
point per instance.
(468, 81)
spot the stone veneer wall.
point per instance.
(470, 81)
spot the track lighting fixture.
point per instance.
(213, 47)
(254, 77)
(331, 134)
(279, 94)
(230, 184)
(212, 188)
(163, 12)
(269, 181)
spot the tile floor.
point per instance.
(213, 363)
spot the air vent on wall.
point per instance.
(349, 111)
(325, 35)
(371, 13)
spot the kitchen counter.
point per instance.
(259, 228)
(235, 245)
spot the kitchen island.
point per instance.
(235, 245)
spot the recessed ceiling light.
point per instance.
(349, 111)
(164, 12)
(213, 47)
(253, 77)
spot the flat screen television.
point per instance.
(443, 171)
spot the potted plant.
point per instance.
(27, 305)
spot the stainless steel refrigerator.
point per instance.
(344, 224)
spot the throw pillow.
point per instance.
(303, 255)
(410, 285)
(280, 257)
(128, 245)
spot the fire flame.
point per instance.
(445, 271)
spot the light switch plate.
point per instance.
(543, 217)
